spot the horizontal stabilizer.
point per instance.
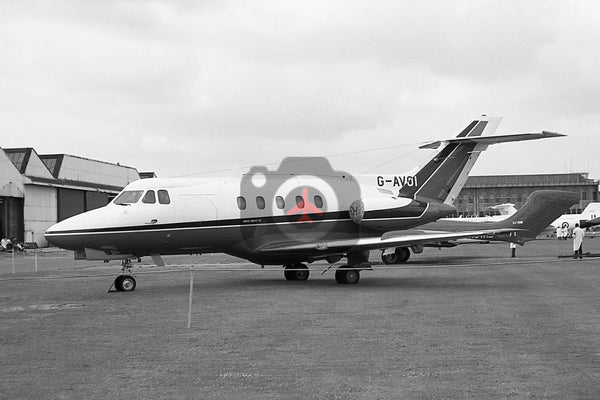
(514, 137)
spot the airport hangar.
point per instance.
(482, 192)
(36, 191)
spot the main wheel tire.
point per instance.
(289, 275)
(302, 273)
(296, 272)
(340, 276)
(389, 258)
(402, 255)
(347, 276)
(352, 276)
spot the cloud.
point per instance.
(227, 83)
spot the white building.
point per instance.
(36, 191)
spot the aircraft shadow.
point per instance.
(367, 283)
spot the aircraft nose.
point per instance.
(58, 233)
(70, 233)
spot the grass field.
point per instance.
(467, 322)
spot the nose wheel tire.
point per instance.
(347, 276)
(125, 283)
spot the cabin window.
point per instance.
(149, 197)
(129, 197)
(299, 201)
(163, 197)
(280, 202)
(318, 201)
(260, 202)
(241, 202)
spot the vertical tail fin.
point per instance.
(443, 177)
(542, 207)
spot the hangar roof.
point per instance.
(64, 170)
(28, 162)
(542, 180)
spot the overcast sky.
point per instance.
(181, 87)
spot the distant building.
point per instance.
(147, 175)
(36, 191)
(481, 192)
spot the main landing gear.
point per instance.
(399, 256)
(125, 282)
(347, 275)
(296, 272)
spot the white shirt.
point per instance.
(578, 235)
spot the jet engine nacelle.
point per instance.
(369, 212)
(385, 213)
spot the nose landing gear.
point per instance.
(124, 282)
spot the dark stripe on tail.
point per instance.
(440, 174)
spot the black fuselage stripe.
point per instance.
(414, 211)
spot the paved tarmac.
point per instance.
(467, 322)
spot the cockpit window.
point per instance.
(163, 197)
(128, 197)
(149, 197)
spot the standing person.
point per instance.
(578, 235)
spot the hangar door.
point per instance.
(70, 202)
(11, 218)
(95, 200)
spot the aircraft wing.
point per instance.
(388, 239)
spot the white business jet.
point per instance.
(302, 212)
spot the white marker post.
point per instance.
(35, 259)
(190, 301)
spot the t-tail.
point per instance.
(542, 207)
(444, 176)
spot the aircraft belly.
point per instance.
(149, 242)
